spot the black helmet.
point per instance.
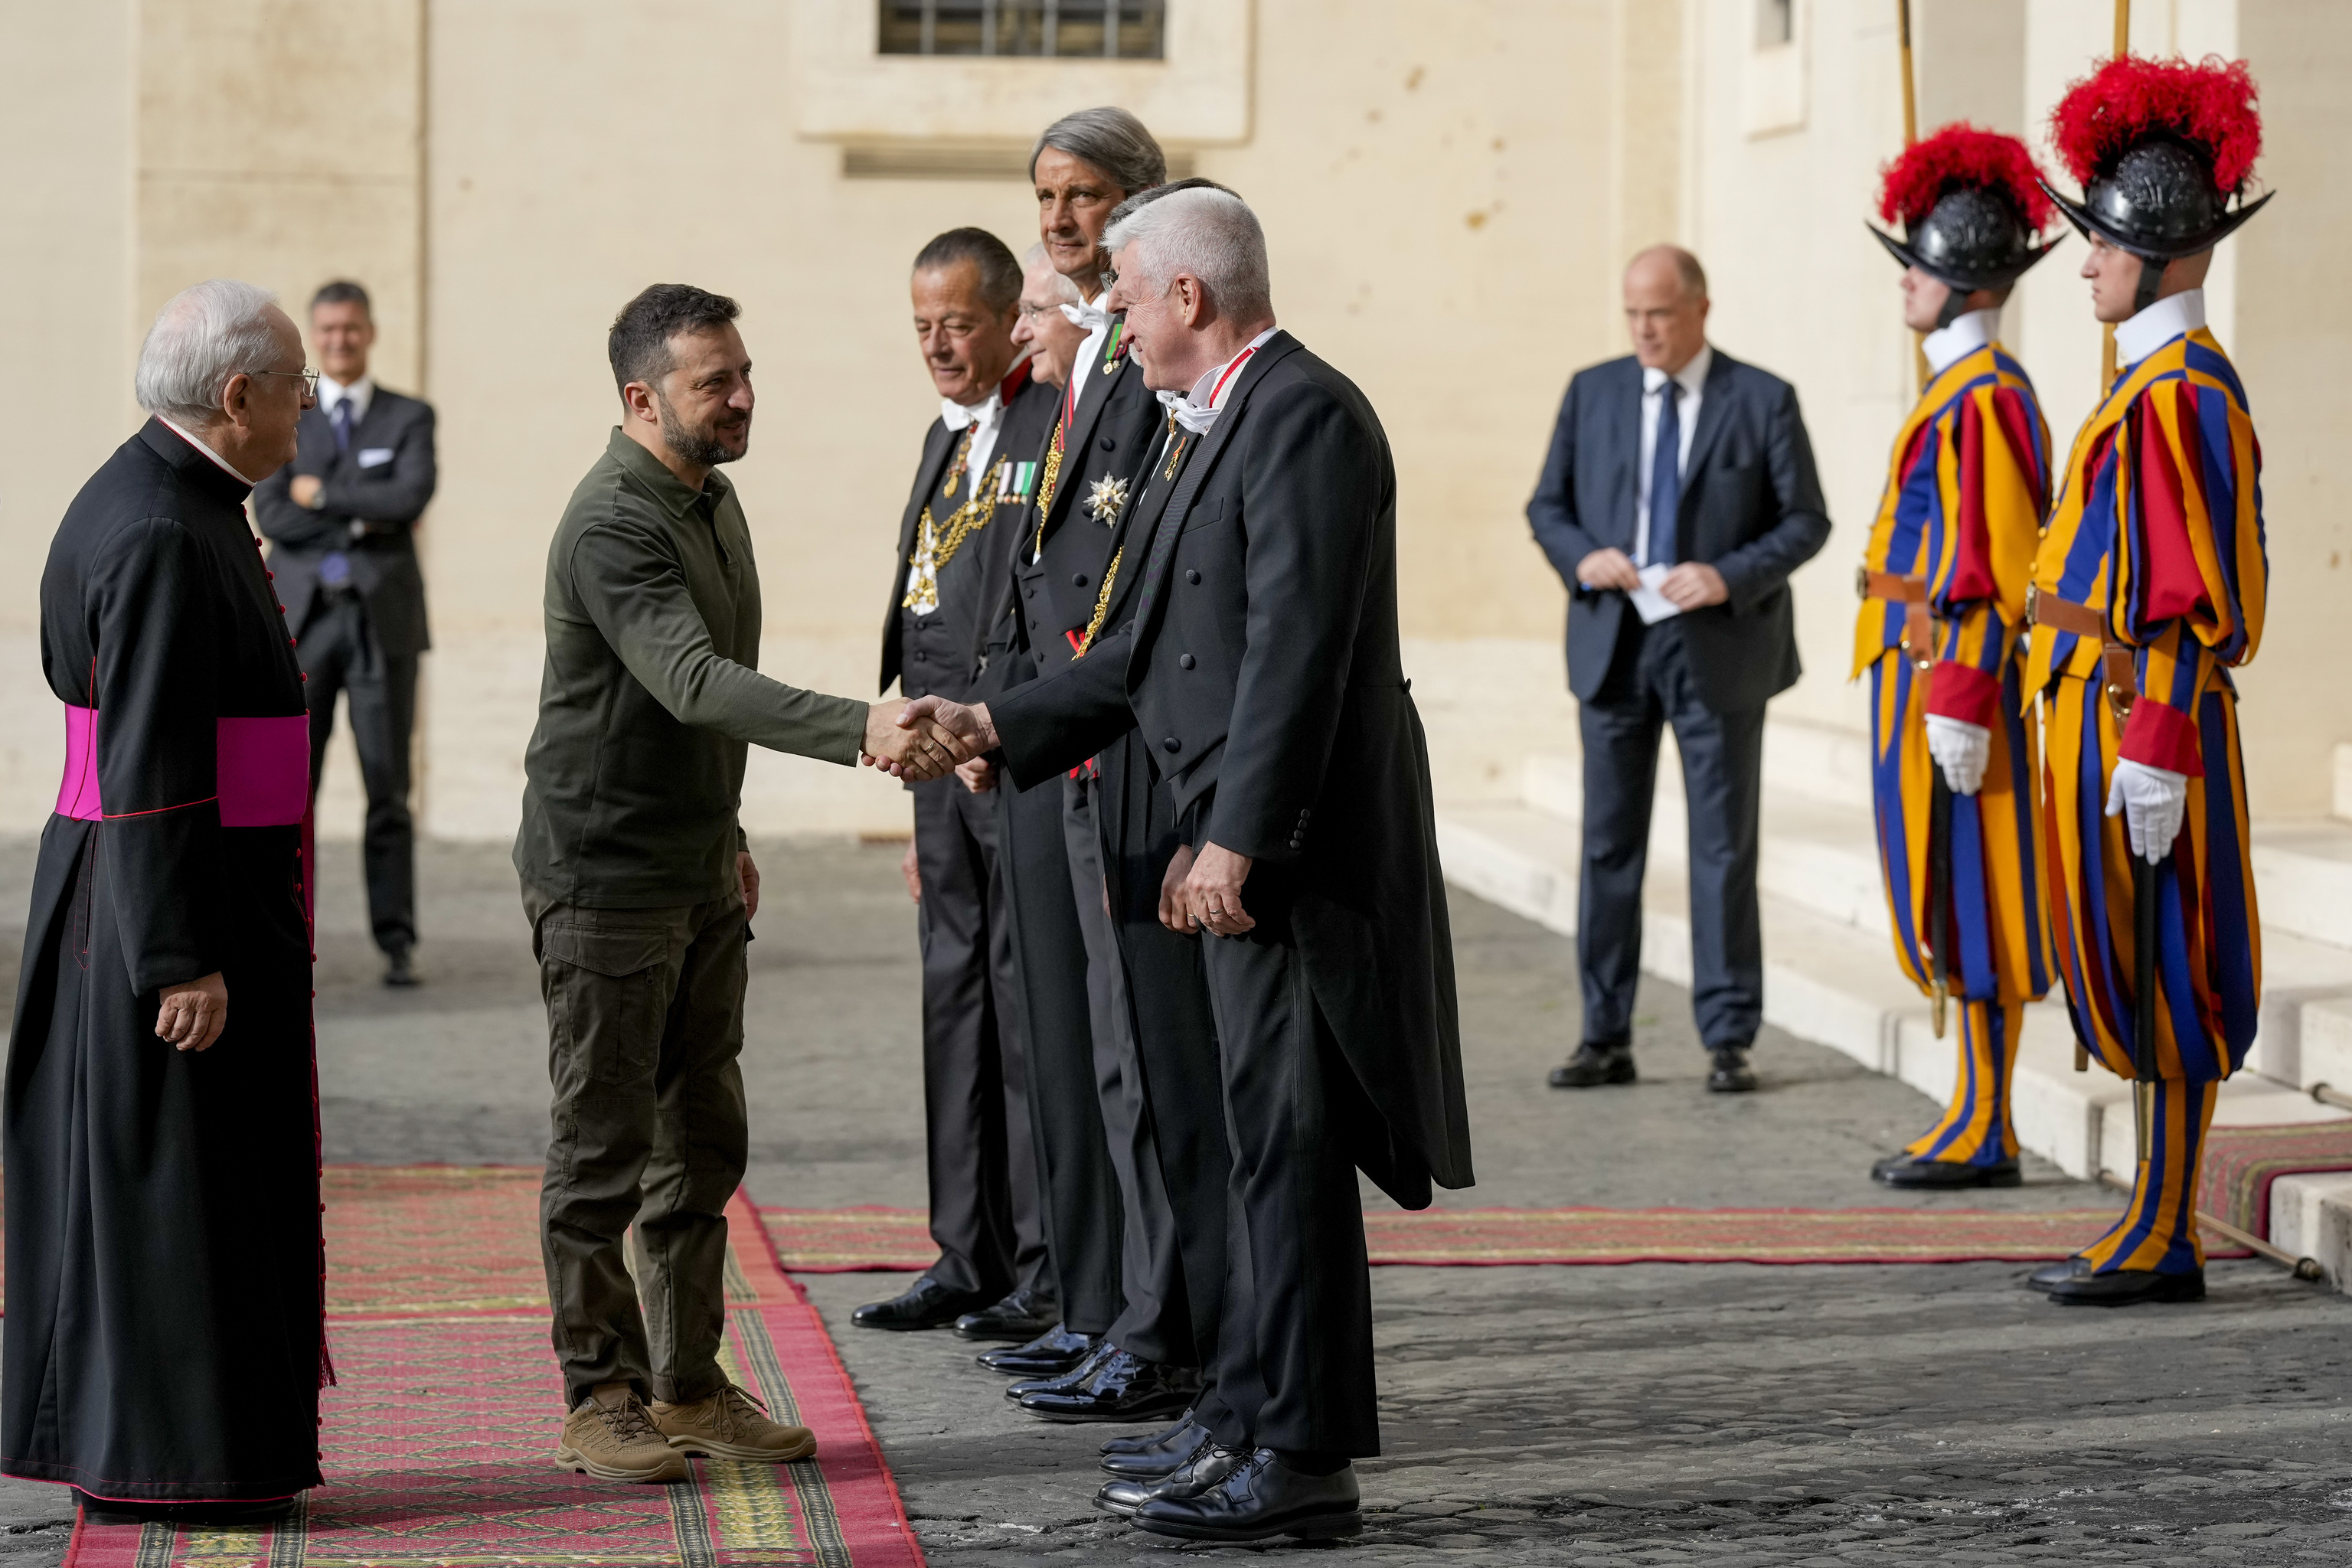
(1972, 211)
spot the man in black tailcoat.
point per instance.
(1262, 672)
(971, 487)
(164, 1340)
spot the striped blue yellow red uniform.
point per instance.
(2159, 530)
(1961, 514)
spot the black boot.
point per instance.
(1258, 1499)
(1023, 1315)
(1050, 1354)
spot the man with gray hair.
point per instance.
(162, 1343)
(1261, 666)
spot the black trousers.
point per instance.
(1177, 1312)
(339, 653)
(1078, 1195)
(1295, 1352)
(982, 1158)
(1648, 688)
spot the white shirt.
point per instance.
(359, 395)
(1197, 410)
(2175, 315)
(1948, 346)
(1691, 381)
(218, 461)
(1087, 369)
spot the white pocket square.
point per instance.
(375, 457)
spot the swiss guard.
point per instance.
(2148, 591)
(1955, 764)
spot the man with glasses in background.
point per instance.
(343, 517)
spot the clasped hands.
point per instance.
(921, 739)
(1687, 585)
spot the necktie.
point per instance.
(1666, 476)
(341, 415)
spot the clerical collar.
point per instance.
(2175, 315)
(1950, 345)
(218, 461)
(1198, 409)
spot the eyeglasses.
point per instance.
(310, 378)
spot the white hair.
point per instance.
(1209, 233)
(1035, 259)
(202, 337)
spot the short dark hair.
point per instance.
(999, 273)
(344, 291)
(639, 345)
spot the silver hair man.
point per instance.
(1205, 233)
(1111, 138)
(203, 336)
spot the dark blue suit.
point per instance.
(1751, 505)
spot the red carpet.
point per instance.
(824, 1241)
(439, 1437)
(2241, 1164)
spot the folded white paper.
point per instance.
(1648, 603)
(375, 457)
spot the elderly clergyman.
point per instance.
(641, 890)
(163, 1351)
(1262, 670)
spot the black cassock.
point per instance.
(164, 1336)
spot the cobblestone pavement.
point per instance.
(1645, 1414)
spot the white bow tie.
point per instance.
(956, 417)
(1193, 416)
(1090, 318)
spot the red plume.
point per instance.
(2212, 104)
(1961, 154)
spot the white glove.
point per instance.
(2152, 802)
(1962, 750)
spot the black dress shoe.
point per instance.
(2050, 1276)
(1050, 1354)
(1731, 1074)
(1124, 1388)
(1258, 1499)
(1023, 1315)
(2129, 1287)
(1157, 1457)
(1076, 1378)
(1596, 1062)
(1944, 1176)
(927, 1304)
(1208, 1464)
(112, 1511)
(397, 970)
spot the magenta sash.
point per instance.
(262, 767)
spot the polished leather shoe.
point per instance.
(1076, 1377)
(398, 971)
(927, 1304)
(1155, 1457)
(1050, 1354)
(1944, 1176)
(1731, 1074)
(2129, 1287)
(1595, 1063)
(1125, 1388)
(1208, 1464)
(2050, 1276)
(1023, 1315)
(1258, 1499)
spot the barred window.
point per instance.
(1103, 30)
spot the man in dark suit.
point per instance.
(341, 517)
(973, 488)
(1678, 496)
(1262, 668)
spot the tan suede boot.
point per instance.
(611, 1437)
(731, 1425)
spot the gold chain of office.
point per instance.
(948, 538)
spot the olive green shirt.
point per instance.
(651, 692)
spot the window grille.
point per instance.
(1067, 29)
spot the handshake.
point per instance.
(923, 739)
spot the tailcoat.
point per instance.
(163, 1336)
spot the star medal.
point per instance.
(1105, 496)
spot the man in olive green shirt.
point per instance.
(640, 890)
